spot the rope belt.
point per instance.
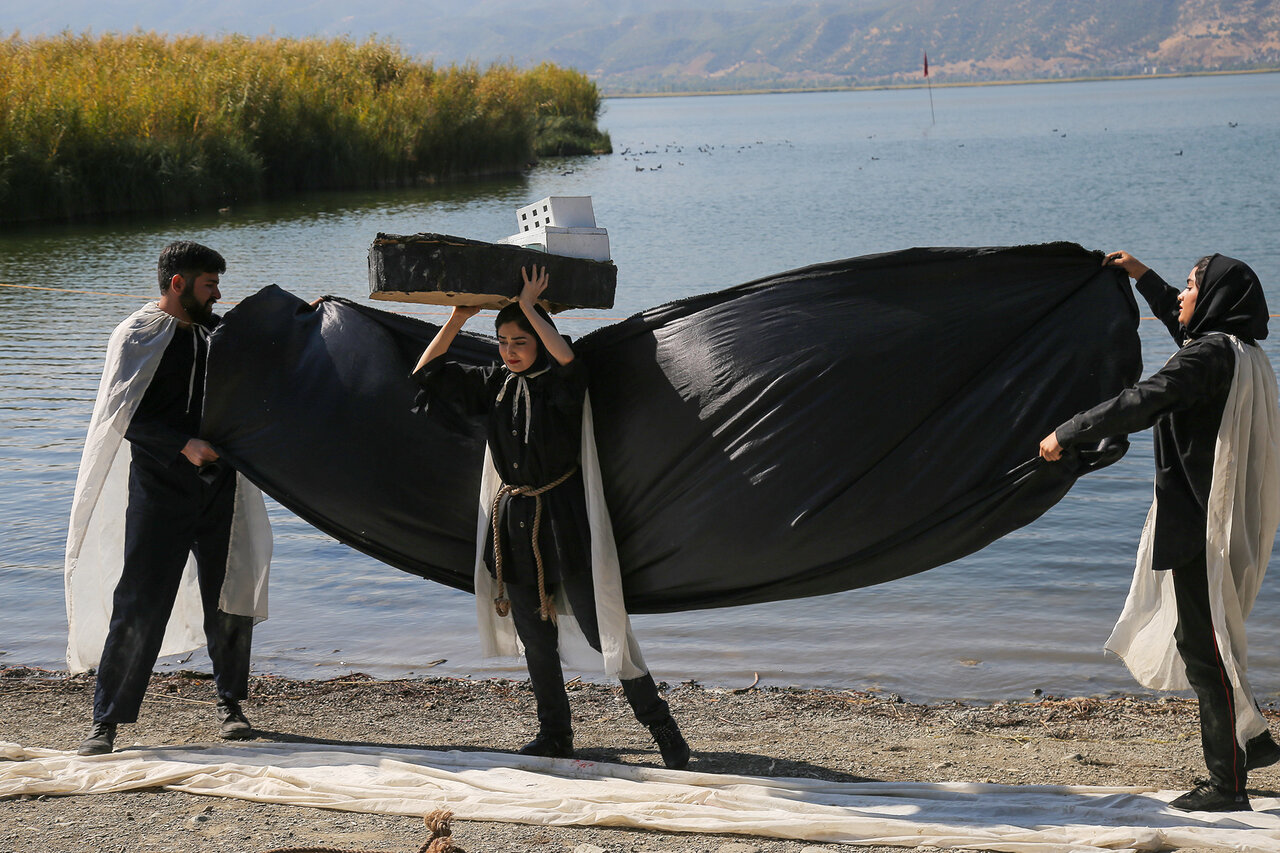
(500, 603)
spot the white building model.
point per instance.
(561, 225)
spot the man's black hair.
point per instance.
(187, 259)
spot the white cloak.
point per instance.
(1243, 512)
(95, 538)
(618, 646)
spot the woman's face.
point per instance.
(518, 348)
(1187, 299)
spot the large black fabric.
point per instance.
(824, 429)
(1184, 400)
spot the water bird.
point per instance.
(1178, 153)
(1233, 124)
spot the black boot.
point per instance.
(547, 745)
(100, 741)
(675, 751)
(234, 724)
(1260, 751)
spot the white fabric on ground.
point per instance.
(565, 792)
(619, 654)
(95, 536)
(1244, 508)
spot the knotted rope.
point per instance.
(500, 602)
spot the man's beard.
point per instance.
(197, 313)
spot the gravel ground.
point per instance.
(826, 734)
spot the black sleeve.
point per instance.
(1163, 299)
(1194, 374)
(463, 388)
(570, 386)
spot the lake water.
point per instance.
(705, 192)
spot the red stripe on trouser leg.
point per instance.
(1198, 646)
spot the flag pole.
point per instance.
(928, 83)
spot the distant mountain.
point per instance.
(658, 45)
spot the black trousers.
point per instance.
(1199, 650)
(172, 512)
(541, 640)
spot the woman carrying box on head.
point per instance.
(546, 563)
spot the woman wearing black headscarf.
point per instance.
(1217, 502)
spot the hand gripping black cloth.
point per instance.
(825, 429)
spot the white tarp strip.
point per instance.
(520, 789)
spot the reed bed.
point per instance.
(103, 124)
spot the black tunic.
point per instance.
(168, 415)
(553, 446)
(1184, 401)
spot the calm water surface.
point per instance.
(704, 193)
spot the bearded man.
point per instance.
(165, 543)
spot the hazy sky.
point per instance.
(309, 17)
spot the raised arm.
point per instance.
(444, 338)
(556, 346)
(1133, 267)
(1191, 375)
(1162, 297)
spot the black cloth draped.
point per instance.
(820, 430)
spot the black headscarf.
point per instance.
(1230, 300)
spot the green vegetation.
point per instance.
(93, 125)
(568, 105)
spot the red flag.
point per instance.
(926, 64)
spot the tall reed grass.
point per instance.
(93, 125)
